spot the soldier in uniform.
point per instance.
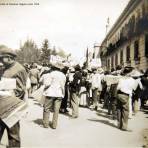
(13, 69)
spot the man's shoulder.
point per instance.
(58, 73)
(14, 70)
(18, 67)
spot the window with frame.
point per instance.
(128, 54)
(136, 50)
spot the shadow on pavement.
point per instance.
(104, 122)
(105, 116)
(145, 110)
(101, 111)
(38, 121)
(36, 103)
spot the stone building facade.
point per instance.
(126, 44)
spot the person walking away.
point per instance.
(112, 99)
(133, 100)
(64, 104)
(54, 93)
(113, 93)
(96, 88)
(74, 89)
(125, 89)
(83, 89)
(136, 96)
(34, 77)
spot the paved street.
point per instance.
(91, 130)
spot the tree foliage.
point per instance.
(3, 46)
(45, 52)
(28, 52)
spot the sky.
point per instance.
(72, 25)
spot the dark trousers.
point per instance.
(122, 111)
(95, 97)
(112, 107)
(106, 100)
(13, 134)
(65, 100)
(49, 105)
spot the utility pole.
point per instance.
(107, 25)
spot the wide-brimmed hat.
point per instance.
(7, 52)
(135, 73)
(127, 70)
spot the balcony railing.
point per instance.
(132, 29)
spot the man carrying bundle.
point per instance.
(13, 69)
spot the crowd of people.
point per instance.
(122, 92)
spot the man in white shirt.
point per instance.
(54, 93)
(125, 89)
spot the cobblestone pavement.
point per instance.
(92, 129)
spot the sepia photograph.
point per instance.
(73, 73)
